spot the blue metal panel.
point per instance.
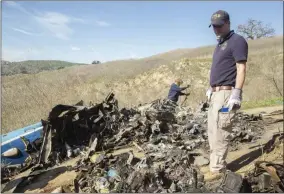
(12, 140)
(18, 132)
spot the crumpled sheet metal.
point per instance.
(74, 125)
(69, 127)
(136, 175)
(171, 148)
(166, 133)
(267, 177)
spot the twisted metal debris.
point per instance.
(167, 135)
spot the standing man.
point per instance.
(176, 91)
(227, 78)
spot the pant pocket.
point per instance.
(225, 120)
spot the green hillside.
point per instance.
(34, 66)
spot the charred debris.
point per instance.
(170, 138)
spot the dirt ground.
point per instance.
(263, 109)
(240, 161)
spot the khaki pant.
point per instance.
(219, 129)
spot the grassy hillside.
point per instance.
(28, 98)
(33, 66)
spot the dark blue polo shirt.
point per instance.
(232, 49)
(175, 92)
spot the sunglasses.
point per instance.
(217, 26)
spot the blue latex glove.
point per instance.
(235, 100)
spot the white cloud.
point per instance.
(11, 3)
(25, 32)
(74, 48)
(102, 23)
(79, 20)
(17, 6)
(56, 23)
(54, 15)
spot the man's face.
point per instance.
(179, 82)
(221, 30)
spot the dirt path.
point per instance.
(263, 109)
(242, 160)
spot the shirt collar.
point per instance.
(228, 36)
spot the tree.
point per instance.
(274, 74)
(254, 29)
(96, 62)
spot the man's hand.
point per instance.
(235, 100)
(209, 93)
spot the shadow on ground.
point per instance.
(23, 184)
(251, 156)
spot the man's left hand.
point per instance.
(235, 100)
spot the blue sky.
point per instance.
(95, 30)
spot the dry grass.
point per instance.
(28, 98)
